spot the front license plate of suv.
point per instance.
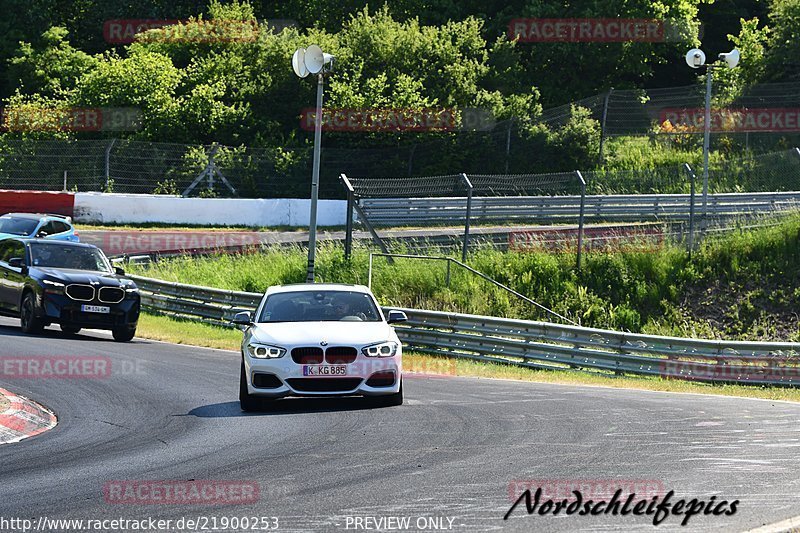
(95, 309)
(324, 370)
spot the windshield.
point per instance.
(17, 226)
(73, 257)
(322, 306)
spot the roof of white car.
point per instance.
(315, 287)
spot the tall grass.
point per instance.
(655, 291)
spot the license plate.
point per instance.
(324, 370)
(95, 309)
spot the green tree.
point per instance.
(783, 51)
(51, 69)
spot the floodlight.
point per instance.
(298, 63)
(695, 58)
(315, 59)
(731, 58)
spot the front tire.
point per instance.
(247, 401)
(123, 334)
(27, 315)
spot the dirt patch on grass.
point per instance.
(758, 310)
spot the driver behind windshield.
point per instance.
(67, 257)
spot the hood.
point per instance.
(291, 334)
(67, 275)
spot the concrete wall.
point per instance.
(143, 208)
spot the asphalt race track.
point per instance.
(171, 413)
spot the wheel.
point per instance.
(70, 330)
(247, 401)
(123, 334)
(391, 400)
(29, 321)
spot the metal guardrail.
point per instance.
(635, 207)
(531, 344)
(203, 304)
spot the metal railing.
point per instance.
(538, 345)
(203, 304)
(618, 208)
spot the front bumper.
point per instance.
(289, 380)
(61, 309)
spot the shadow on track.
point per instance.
(285, 406)
(55, 333)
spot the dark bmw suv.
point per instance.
(66, 283)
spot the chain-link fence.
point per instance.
(765, 119)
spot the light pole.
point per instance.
(304, 62)
(695, 58)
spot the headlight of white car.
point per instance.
(265, 351)
(381, 349)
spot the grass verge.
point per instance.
(168, 329)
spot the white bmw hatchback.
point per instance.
(320, 340)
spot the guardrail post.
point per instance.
(348, 232)
(692, 177)
(508, 142)
(603, 124)
(580, 218)
(468, 185)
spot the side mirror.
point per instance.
(242, 319)
(395, 317)
(15, 262)
(119, 271)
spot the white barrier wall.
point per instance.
(143, 208)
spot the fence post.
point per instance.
(411, 160)
(65, 181)
(348, 232)
(364, 220)
(508, 142)
(108, 164)
(468, 185)
(691, 207)
(603, 123)
(580, 217)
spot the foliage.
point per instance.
(783, 47)
(751, 43)
(222, 76)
